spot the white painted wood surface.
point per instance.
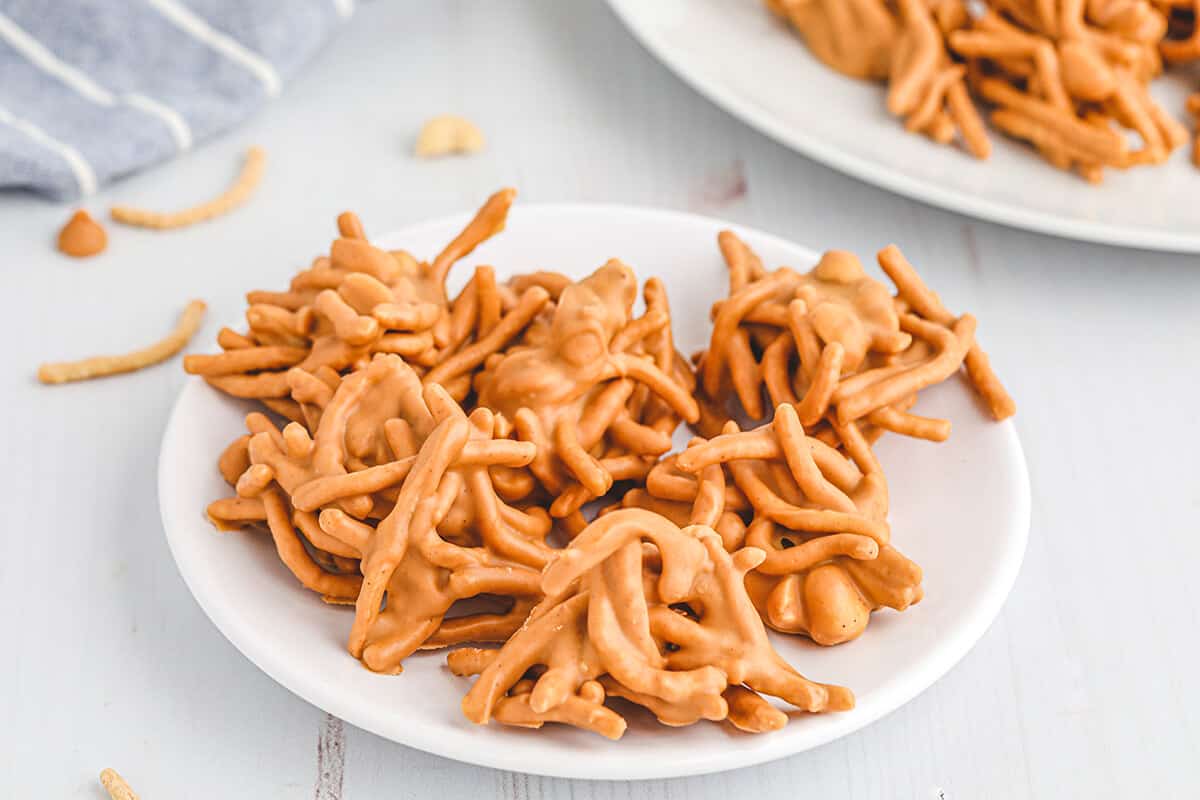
(1083, 688)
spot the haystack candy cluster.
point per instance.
(387, 504)
(641, 609)
(837, 345)
(1069, 77)
(427, 460)
(817, 513)
(357, 302)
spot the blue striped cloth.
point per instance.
(91, 90)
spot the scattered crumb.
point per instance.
(448, 134)
(116, 786)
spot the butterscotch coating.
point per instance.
(819, 516)
(1070, 77)
(832, 598)
(390, 497)
(834, 303)
(354, 303)
(855, 37)
(902, 42)
(925, 87)
(1067, 77)
(596, 390)
(82, 236)
(837, 345)
(638, 608)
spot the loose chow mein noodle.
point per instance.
(435, 453)
(100, 366)
(640, 609)
(1069, 77)
(836, 344)
(247, 181)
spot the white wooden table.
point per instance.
(1085, 686)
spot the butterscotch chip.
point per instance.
(82, 236)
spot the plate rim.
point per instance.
(318, 694)
(884, 176)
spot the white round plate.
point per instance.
(739, 56)
(960, 509)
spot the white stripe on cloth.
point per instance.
(41, 57)
(186, 20)
(176, 124)
(46, 61)
(344, 7)
(85, 177)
